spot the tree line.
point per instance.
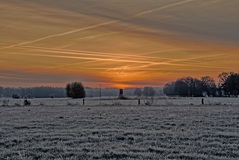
(77, 90)
(187, 87)
(206, 86)
(61, 92)
(33, 92)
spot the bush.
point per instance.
(26, 102)
(75, 90)
(15, 96)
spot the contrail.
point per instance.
(148, 60)
(111, 33)
(87, 58)
(72, 64)
(61, 34)
(172, 62)
(145, 62)
(101, 24)
(160, 8)
(101, 56)
(109, 57)
(97, 54)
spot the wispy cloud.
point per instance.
(118, 42)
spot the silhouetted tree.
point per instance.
(191, 87)
(209, 85)
(231, 84)
(169, 89)
(199, 88)
(181, 88)
(228, 83)
(222, 78)
(68, 90)
(75, 90)
(138, 92)
(189, 81)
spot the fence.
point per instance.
(157, 101)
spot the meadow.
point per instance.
(64, 129)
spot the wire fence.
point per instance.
(155, 101)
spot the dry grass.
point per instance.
(119, 132)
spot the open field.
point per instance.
(119, 132)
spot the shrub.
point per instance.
(15, 96)
(26, 102)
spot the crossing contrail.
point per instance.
(99, 25)
(61, 34)
(98, 54)
(110, 59)
(145, 61)
(140, 56)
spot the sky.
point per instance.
(116, 43)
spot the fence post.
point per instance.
(83, 102)
(138, 101)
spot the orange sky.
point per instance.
(116, 43)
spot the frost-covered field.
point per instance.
(120, 132)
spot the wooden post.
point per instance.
(138, 101)
(83, 102)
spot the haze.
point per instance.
(116, 43)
